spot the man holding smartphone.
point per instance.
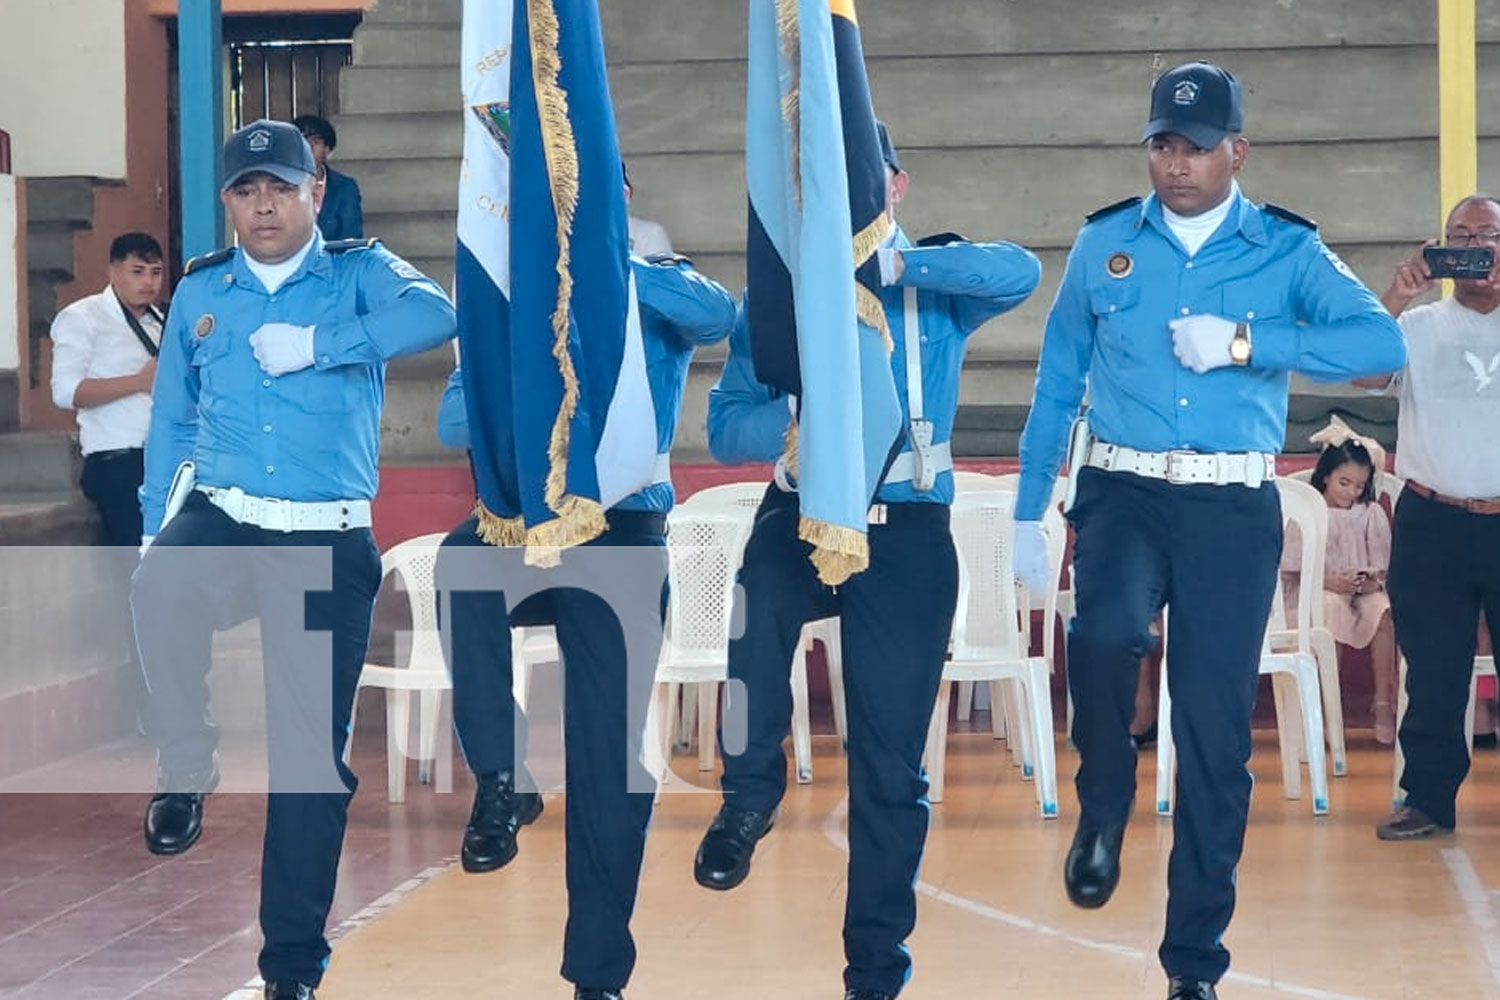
(1445, 553)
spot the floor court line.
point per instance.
(1479, 902)
(833, 830)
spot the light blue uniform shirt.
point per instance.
(746, 418)
(310, 435)
(680, 310)
(1108, 331)
(959, 287)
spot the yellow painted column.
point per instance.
(1458, 125)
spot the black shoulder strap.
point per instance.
(1100, 213)
(1289, 216)
(140, 331)
(344, 246)
(207, 260)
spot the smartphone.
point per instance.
(1459, 262)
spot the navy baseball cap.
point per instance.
(275, 148)
(1199, 101)
(887, 148)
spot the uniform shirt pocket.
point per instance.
(1115, 318)
(1253, 300)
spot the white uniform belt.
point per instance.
(1185, 468)
(662, 473)
(903, 468)
(274, 514)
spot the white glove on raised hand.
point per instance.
(146, 541)
(282, 348)
(1029, 558)
(1201, 342)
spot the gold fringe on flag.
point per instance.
(496, 530)
(838, 552)
(872, 313)
(789, 443)
(578, 520)
(575, 522)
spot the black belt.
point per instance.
(113, 453)
(642, 521)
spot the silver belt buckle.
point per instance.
(1174, 475)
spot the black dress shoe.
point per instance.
(289, 991)
(174, 818)
(723, 859)
(1144, 739)
(499, 811)
(1190, 989)
(579, 993)
(1092, 869)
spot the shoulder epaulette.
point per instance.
(940, 240)
(1289, 215)
(344, 246)
(1100, 213)
(207, 260)
(669, 258)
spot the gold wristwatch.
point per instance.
(1239, 347)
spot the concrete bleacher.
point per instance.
(1014, 119)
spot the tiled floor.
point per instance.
(1326, 912)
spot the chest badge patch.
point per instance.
(204, 326)
(1119, 265)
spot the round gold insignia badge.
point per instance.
(1119, 265)
(204, 326)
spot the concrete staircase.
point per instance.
(1014, 120)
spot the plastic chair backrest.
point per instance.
(1305, 507)
(986, 623)
(414, 562)
(704, 550)
(727, 497)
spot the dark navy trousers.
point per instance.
(896, 618)
(206, 571)
(603, 719)
(1445, 571)
(1210, 555)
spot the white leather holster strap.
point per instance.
(911, 335)
(902, 468)
(274, 514)
(663, 471)
(1185, 468)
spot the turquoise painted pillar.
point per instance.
(200, 82)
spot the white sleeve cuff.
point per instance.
(887, 257)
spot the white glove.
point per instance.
(282, 348)
(1201, 342)
(146, 541)
(1029, 558)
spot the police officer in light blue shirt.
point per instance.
(1183, 316)
(747, 419)
(270, 384)
(680, 310)
(895, 616)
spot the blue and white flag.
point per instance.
(559, 408)
(817, 188)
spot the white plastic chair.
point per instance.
(704, 550)
(426, 673)
(990, 642)
(1316, 639)
(1301, 733)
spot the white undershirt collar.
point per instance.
(1192, 231)
(273, 276)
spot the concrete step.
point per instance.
(381, 43)
(68, 200)
(414, 185)
(448, 12)
(38, 461)
(1076, 100)
(40, 518)
(415, 234)
(425, 135)
(400, 89)
(49, 249)
(691, 30)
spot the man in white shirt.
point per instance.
(103, 363)
(647, 238)
(1445, 557)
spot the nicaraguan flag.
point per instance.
(817, 215)
(554, 368)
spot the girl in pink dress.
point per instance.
(1356, 608)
